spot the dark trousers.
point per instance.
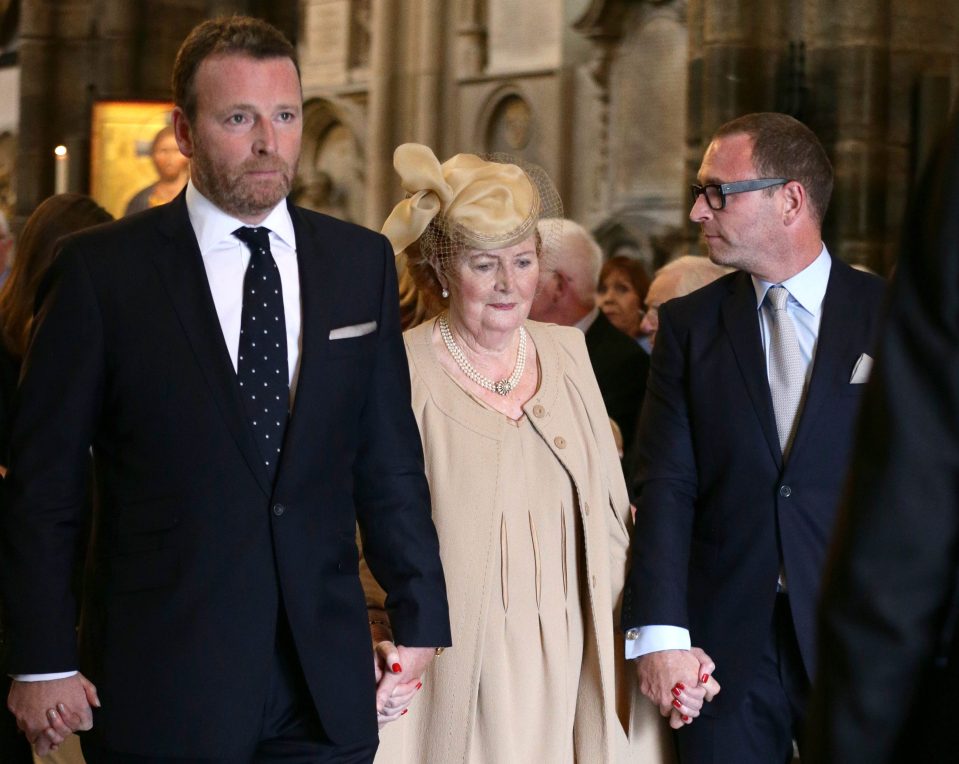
(291, 732)
(761, 727)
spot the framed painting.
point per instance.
(121, 150)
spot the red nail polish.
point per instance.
(405, 710)
(684, 718)
(419, 685)
(677, 704)
(397, 668)
(680, 685)
(705, 678)
(676, 691)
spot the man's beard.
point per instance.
(236, 193)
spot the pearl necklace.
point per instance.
(504, 386)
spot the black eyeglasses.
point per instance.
(716, 193)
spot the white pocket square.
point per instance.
(862, 370)
(356, 330)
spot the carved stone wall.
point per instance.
(615, 98)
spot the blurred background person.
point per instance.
(54, 218)
(6, 248)
(622, 287)
(571, 263)
(172, 173)
(528, 497)
(675, 279)
(888, 637)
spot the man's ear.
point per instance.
(183, 132)
(794, 201)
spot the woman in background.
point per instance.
(36, 250)
(623, 283)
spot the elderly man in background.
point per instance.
(566, 296)
(677, 278)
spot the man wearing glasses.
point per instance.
(747, 426)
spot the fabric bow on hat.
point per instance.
(486, 204)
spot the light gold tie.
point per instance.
(786, 375)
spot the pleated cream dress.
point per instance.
(532, 519)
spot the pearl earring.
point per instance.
(445, 293)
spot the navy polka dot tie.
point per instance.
(261, 367)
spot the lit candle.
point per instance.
(62, 176)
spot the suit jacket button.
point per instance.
(539, 411)
(785, 491)
(560, 441)
(278, 510)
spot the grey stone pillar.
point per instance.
(850, 68)
(380, 185)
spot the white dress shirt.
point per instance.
(807, 290)
(225, 259)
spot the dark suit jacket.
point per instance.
(194, 548)
(889, 613)
(716, 502)
(621, 368)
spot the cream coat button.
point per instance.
(539, 411)
(560, 441)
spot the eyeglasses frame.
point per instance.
(736, 187)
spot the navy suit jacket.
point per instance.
(621, 367)
(194, 549)
(718, 511)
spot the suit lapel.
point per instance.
(833, 344)
(181, 270)
(742, 328)
(315, 267)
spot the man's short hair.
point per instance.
(577, 255)
(238, 35)
(784, 147)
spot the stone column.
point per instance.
(850, 74)
(471, 38)
(380, 184)
(57, 70)
(428, 77)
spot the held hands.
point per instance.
(48, 711)
(399, 671)
(678, 682)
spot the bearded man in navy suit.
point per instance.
(743, 444)
(223, 615)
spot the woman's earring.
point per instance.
(445, 293)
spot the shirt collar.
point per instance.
(587, 321)
(807, 288)
(213, 226)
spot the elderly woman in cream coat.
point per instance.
(528, 495)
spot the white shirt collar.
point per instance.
(213, 227)
(807, 288)
(587, 321)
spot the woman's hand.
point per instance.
(688, 701)
(396, 687)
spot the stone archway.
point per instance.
(330, 176)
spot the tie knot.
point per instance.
(255, 238)
(777, 296)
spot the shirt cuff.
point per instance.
(652, 639)
(43, 677)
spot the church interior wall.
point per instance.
(615, 98)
